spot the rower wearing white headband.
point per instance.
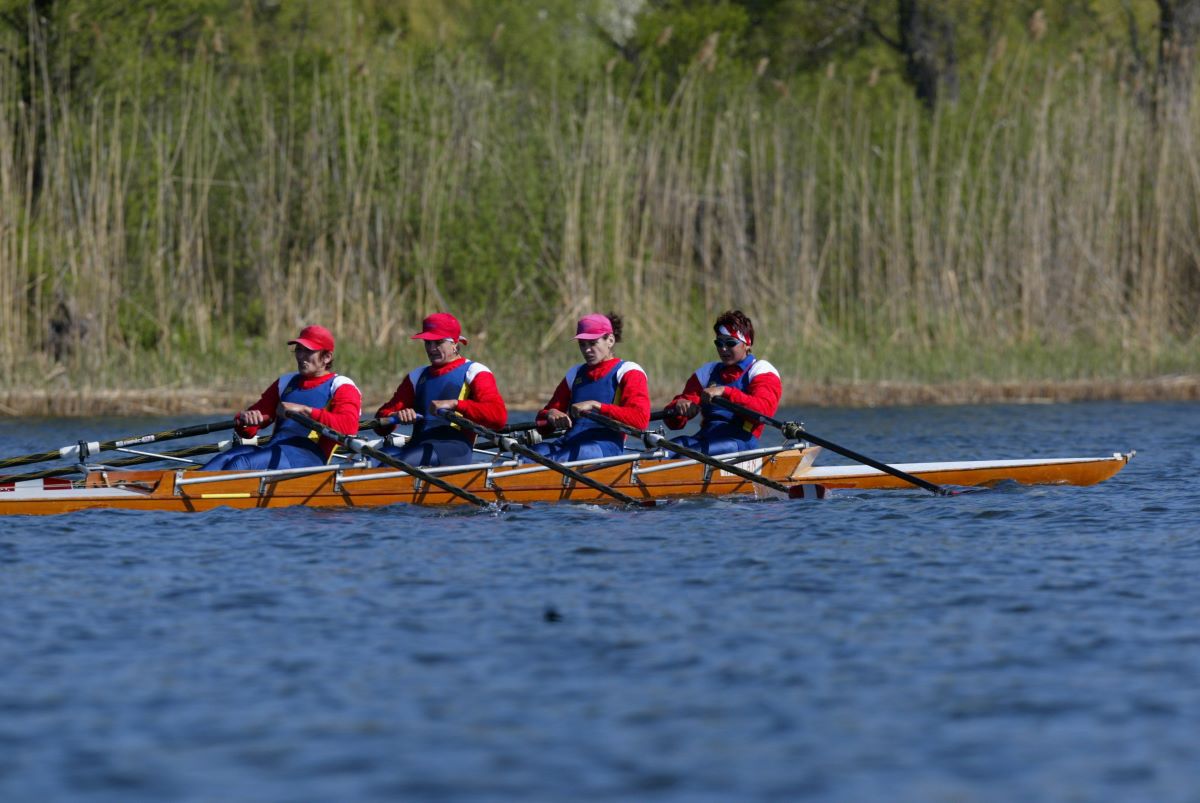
(741, 378)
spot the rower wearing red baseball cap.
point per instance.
(604, 383)
(329, 398)
(449, 382)
(737, 375)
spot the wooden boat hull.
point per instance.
(191, 491)
(1047, 471)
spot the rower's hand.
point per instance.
(558, 420)
(711, 392)
(579, 408)
(406, 415)
(291, 407)
(250, 418)
(443, 406)
(684, 407)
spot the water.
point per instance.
(1022, 643)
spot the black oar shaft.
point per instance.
(359, 446)
(81, 450)
(191, 451)
(793, 430)
(41, 457)
(656, 440)
(518, 448)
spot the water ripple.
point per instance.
(1005, 644)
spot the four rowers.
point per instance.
(603, 383)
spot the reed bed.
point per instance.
(1044, 227)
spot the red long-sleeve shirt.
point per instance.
(484, 405)
(345, 406)
(762, 395)
(634, 406)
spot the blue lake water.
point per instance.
(1022, 643)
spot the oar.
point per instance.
(360, 446)
(798, 432)
(654, 440)
(511, 445)
(79, 451)
(137, 459)
(191, 451)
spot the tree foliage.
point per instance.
(931, 45)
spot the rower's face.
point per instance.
(441, 352)
(311, 363)
(597, 351)
(730, 350)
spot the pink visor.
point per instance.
(593, 327)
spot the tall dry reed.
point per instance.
(1045, 225)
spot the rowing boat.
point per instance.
(647, 475)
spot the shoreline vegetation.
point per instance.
(180, 192)
(95, 402)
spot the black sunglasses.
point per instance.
(726, 342)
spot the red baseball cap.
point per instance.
(314, 338)
(440, 326)
(593, 327)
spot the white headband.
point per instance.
(738, 333)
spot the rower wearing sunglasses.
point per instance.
(737, 375)
(603, 383)
(450, 382)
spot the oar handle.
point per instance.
(385, 421)
(796, 431)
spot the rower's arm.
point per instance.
(484, 404)
(561, 401)
(634, 409)
(344, 410)
(266, 404)
(691, 393)
(762, 396)
(403, 398)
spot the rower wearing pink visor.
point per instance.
(603, 383)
